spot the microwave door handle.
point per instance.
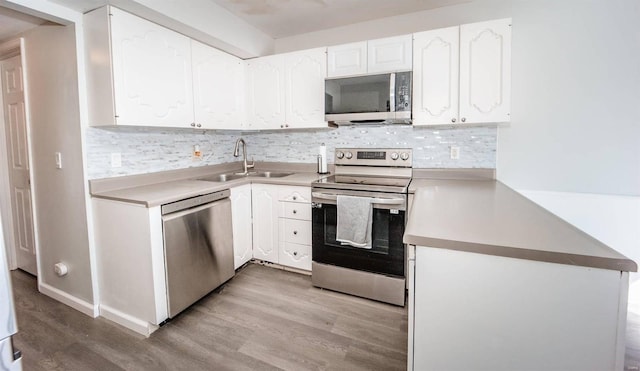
(376, 200)
(392, 92)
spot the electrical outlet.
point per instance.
(116, 159)
(454, 152)
(197, 154)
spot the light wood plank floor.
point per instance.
(263, 319)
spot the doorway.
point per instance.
(15, 191)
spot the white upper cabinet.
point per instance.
(373, 56)
(265, 92)
(462, 75)
(305, 72)
(218, 88)
(485, 71)
(139, 73)
(435, 76)
(286, 90)
(389, 54)
(347, 59)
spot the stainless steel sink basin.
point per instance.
(231, 176)
(270, 174)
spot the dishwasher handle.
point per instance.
(194, 202)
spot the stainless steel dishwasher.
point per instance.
(198, 247)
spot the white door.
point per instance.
(485, 71)
(18, 163)
(218, 88)
(347, 59)
(304, 88)
(241, 221)
(435, 76)
(389, 54)
(151, 73)
(265, 222)
(265, 93)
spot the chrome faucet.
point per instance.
(236, 153)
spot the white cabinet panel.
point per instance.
(218, 86)
(295, 210)
(265, 222)
(242, 227)
(152, 77)
(295, 231)
(435, 76)
(389, 54)
(295, 255)
(294, 194)
(485, 71)
(304, 88)
(347, 59)
(265, 92)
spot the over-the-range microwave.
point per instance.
(369, 99)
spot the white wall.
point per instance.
(59, 194)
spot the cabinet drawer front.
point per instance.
(294, 194)
(296, 231)
(295, 210)
(295, 255)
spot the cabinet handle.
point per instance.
(295, 212)
(286, 125)
(193, 124)
(463, 119)
(295, 253)
(295, 232)
(295, 198)
(453, 119)
(199, 125)
(281, 126)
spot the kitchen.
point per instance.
(512, 150)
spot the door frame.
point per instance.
(11, 49)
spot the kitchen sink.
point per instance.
(232, 176)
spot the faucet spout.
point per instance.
(236, 153)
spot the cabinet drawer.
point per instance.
(295, 231)
(294, 194)
(295, 255)
(295, 210)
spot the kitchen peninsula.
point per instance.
(509, 284)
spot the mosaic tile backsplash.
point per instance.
(146, 150)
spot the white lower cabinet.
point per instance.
(242, 228)
(264, 204)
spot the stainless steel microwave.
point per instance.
(369, 99)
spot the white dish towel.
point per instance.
(355, 216)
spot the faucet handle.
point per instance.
(252, 164)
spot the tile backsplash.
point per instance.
(146, 150)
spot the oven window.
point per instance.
(380, 230)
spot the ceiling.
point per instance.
(276, 18)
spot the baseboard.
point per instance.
(70, 300)
(132, 323)
(280, 266)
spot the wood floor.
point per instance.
(263, 319)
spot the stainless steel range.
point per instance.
(358, 223)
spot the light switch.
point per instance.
(58, 156)
(116, 159)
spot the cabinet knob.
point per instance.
(286, 125)
(295, 211)
(295, 232)
(453, 119)
(199, 125)
(281, 126)
(463, 119)
(295, 198)
(295, 253)
(193, 124)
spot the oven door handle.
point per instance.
(375, 200)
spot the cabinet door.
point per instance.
(295, 255)
(389, 54)
(151, 73)
(347, 59)
(485, 71)
(304, 88)
(435, 76)
(218, 88)
(265, 92)
(242, 228)
(265, 222)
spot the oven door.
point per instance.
(386, 255)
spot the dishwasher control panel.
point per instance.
(189, 203)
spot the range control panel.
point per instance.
(392, 157)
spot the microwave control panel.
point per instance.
(403, 91)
